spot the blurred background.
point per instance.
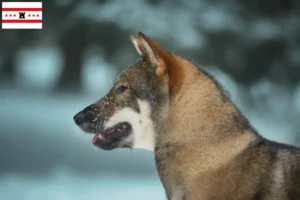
(48, 75)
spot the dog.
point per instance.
(204, 147)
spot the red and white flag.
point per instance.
(22, 15)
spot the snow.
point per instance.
(264, 29)
(66, 185)
(217, 18)
(155, 21)
(38, 67)
(96, 73)
(296, 99)
(275, 117)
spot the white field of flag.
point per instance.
(22, 15)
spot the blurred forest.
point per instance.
(249, 40)
(252, 47)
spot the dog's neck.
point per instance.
(202, 131)
(200, 113)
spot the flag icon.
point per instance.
(22, 15)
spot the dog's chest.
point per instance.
(170, 176)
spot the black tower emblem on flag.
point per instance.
(21, 15)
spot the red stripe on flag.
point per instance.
(21, 21)
(22, 9)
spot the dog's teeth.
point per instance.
(119, 129)
(100, 136)
(124, 126)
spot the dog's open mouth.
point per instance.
(112, 134)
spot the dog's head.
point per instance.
(134, 108)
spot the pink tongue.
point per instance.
(98, 137)
(95, 139)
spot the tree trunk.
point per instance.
(72, 45)
(8, 70)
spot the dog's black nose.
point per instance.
(79, 118)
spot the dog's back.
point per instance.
(264, 170)
(279, 174)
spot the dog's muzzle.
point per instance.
(85, 119)
(79, 118)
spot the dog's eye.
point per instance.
(121, 89)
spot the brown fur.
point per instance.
(204, 147)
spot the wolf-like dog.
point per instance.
(204, 147)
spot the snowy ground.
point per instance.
(64, 185)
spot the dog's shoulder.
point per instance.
(284, 165)
(275, 146)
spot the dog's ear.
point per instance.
(157, 55)
(137, 44)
